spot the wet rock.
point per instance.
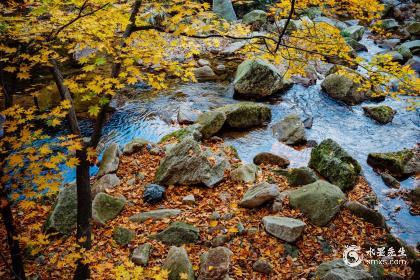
(389, 24)
(153, 193)
(259, 194)
(188, 199)
(256, 79)
(123, 236)
(215, 264)
(256, 18)
(211, 122)
(308, 122)
(414, 196)
(178, 233)
(338, 270)
(106, 207)
(155, 215)
(140, 255)
(178, 264)
(284, 228)
(412, 46)
(134, 146)
(399, 164)
(63, 217)
(354, 32)
(290, 130)
(390, 181)
(204, 73)
(224, 9)
(110, 160)
(382, 114)
(335, 164)
(246, 114)
(106, 182)
(333, 22)
(192, 131)
(262, 266)
(413, 28)
(245, 173)
(188, 163)
(358, 47)
(269, 158)
(319, 201)
(367, 214)
(405, 52)
(299, 176)
(390, 43)
(187, 115)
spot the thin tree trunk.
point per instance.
(8, 88)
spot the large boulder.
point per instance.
(63, 217)
(290, 130)
(246, 114)
(178, 233)
(272, 159)
(110, 160)
(412, 46)
(256, 18)
(335, 164)
(106, 182)
(338, 270)
(211, 122)
(382, 114)
(245, 173)
(106, 207)
(256, 79)
(367, 214)
(319, 201)
(155, 215)
(259, 194)
(355, 32)
(224, 9)
(178, 264)
(215, 264)
(188, 163)
(299, 176)
(399, 164)
(284, 228)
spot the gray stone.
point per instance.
(326, 267)
(390, 181)
(299, 176)
(405, 52)
(155, 215)
(245, 173)
(215, 264)
(284, 228)
(134, 146)
(338, 270)
(333, 22)
(414, 63)
(140, 255)
(106, 207)
(367, 214)
(188, 199)
(178, 264)
(400, 164)
(412, 46)
(108, 181)
(110, 160)
(319, 201)
(187, 115)
(259, 194)
(203, 62)
(246, 114)
(178, 233)
(395, 56)
(390, 43)
(382, 114)
(204, 73)
(224, 9)
(123, 236)
(153, 193)
(188, 163)
(358, 47)
(63, 217)
(211, 123)
(269, 158)
(389, 24)
(355, 32)
(290, 130)
(256, 18)
(220, 240)
(262, 266)
(233, 48)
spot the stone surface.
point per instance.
(414, 63)
(178, 233)
(319, 201)
(191, 131)
(413, 28)
(108, 181)
(338, 270)
(262, 266)
(215, 264)
(188, 199)
(110, 160)
(355, 32)
(269, 158)
(382, 114)
(153, 193)
(178, 264)
(155, 215)
(259, 194)
(335, 164)
(284, 228)
(290, 130)
(333, 22)
(123, 236)
(389, 24)
(399, 164)
(188, 163)
(106, 207)
(246, 114)
(204, 73)
(245, 173)
(187, 115)
(412, 46)
(390, 181)
(256, 18)
(224, 9)
(256, 79)
(134, 146)
(140, 255)
(358, 47)
(366, 213)
(63, 217)
(299, 176)
(203, 62)
(211, 122)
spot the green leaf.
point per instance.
(100, 61)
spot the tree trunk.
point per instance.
(7, 82)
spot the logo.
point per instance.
(351, 256)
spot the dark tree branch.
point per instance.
(292, 9)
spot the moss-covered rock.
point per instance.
(355, 32)
(180, 134)
(122, 235)
(178, 233)
(335, 164)
(211, 123)
(178, 264)
(246, 114)
(399, 164)
(298, 176)
(290, 130)
(256, 18)
(382, 114)
(106, 207)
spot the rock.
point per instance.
(259, 194)
(155, 215)
(106, 207)
(308, 122)
(319, 201)
(153, 193)
(204, 73)
(63, 217)
(377, 271)
(134, 146)
(413, 28)
(188, 199)
(187, 163)
(354, 32)
(393, 276)
(187, 115)
(178, 264)
(215, 264)
(224, 9)
(338, 270)
(110, 160)
(211, 122)
(279, 201)
(405, 52)
(269, 158)
(412, 46)
(233, 47)
(284, 228)
(390, 181)
(256, 79)
(262, 266)
(389, 24)
(140, 255)
(395, 56)
(203, 62)
(123, 236)
(414, 196)
(399, 164)
(358, 47)
(299, 176)
(256, 18)
(220, 69)
(335, 164)
(106, 182)
(220, 240)
(390, 43)
(333, 22)
(246, 114)
(192, 131)
(382, 114)
(367, 214)
(290, 130)
(178, 233)
(414, 63)
(245, 173)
